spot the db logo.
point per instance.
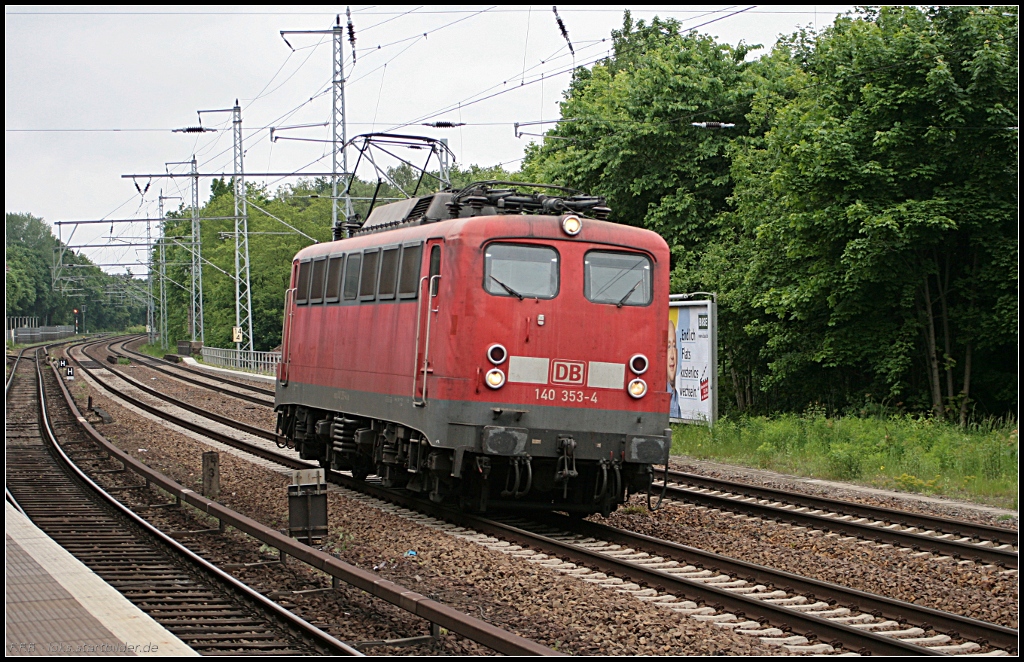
(567, 372)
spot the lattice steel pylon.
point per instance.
(163, 275)
(243, 297)
(338, 123)
(339, 158)
(196, 289)
(150, 308)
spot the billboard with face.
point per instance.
(692, 361)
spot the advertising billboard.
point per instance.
(692, 360)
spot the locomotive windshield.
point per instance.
(521, 271)
(623, 279)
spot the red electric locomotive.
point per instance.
(486, 346)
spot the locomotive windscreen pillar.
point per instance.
(307, 506)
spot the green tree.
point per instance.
(882, 203)
(626, 133)
(31, 290)
(626, 130)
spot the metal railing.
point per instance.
(264, 363)
(24, 334)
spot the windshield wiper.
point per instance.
(628, 294)
(510, 290)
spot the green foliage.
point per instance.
(899, 452)
(859, 223)
(882, 207)
(31, 250)
(626, 131)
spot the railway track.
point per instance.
(955, 538)
(91, 364)
(465, 625)
(205, 607)
(851, 619)
(782, 608)
(262, 396)
(930, 534)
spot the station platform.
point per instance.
(55, 605)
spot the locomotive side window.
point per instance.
(623, 279)
(302, 287)
(368, 279)
(409, 279)
(352, 276)
(316, 284)
(335, 270)
(521, 271)
(388, 273)
(435, 268)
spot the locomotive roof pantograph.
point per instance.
(486, 198)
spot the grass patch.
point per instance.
(156, 350)
(903, 453)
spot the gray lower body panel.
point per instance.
(528, 430)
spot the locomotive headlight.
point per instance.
(638, 364)
(637, 388)
(572, 225)
(495, 378)
(497, 354)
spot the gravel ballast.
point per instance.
(537, 603)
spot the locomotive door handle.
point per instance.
(286, 355)
(432, 292)
(418, 402)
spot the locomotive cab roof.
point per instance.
(486, 198)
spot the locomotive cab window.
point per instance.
(520, 270)
(316, 283)
(302, 286)
(351, 288)
(388, 273)
(335, 270)
(368, 279)
(409, 279)
(623, 279)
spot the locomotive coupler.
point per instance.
(565, 467)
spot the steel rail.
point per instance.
(151, 363)
(44, 346)
(14, 369)
(879, 605)
(472, 628)
(778, 616)
(207, 375)
(309, 632)
(878, 513)
(952, 548)
(256, 431)
(105, 514)
(224, 420)
(925, 617)
(248, 447)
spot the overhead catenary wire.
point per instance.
(327, 88)
(471, 101)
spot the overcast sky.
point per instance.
(75, 75)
